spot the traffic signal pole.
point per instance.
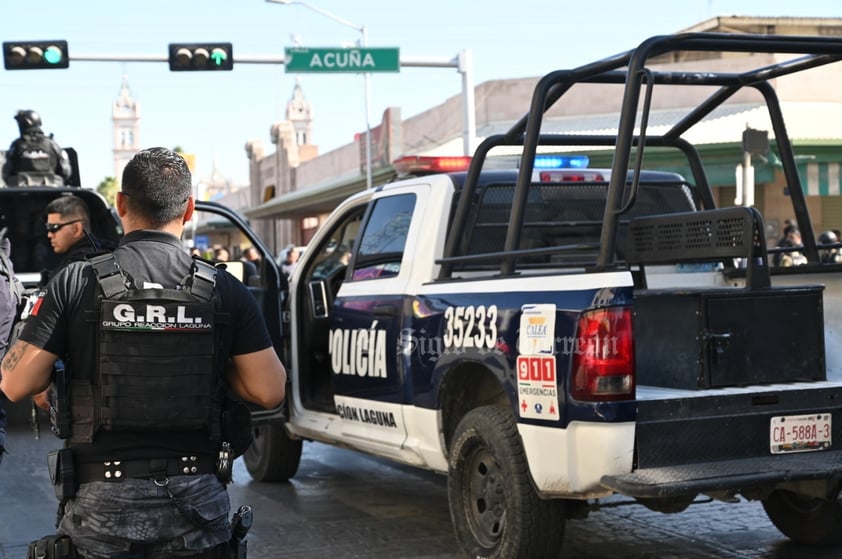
(252, 59)
(462, 63)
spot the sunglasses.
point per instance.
(55, 227)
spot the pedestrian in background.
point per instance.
(790, 241)
(829, 255)
(252, 255)
(290, 260)
(221, 254)
(251, 264)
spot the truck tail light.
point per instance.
(603, 360)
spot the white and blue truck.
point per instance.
(548, 338)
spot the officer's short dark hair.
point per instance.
(70, 206)
(157, 184)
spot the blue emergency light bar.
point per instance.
(561, 161)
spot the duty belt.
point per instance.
(118, 470)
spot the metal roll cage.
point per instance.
(629, 68)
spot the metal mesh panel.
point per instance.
(710, 235)
(730, 233)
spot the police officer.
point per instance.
(35, 158)
(68, 229)
(132, 495)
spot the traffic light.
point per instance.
(30, 55)
(186, 57)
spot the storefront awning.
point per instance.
(307, 202)
(315, 200)
(820, 179)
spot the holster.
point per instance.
(237, 549)
(55, 546)
(62, 473)
(60, 418)
(240, 525)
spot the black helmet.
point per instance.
(828, 237)
(27, 120)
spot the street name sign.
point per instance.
(337, 59)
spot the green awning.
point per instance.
(725, 174)
(820, 179)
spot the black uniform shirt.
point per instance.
(59, 326)
(78, 252)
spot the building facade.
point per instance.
(296, 186)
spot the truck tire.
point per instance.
(805, 519)
(496, 511)
(273, 455)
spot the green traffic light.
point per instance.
(185, 57)
(219, 56)
(53, 55)
(33, 55)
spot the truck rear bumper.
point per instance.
(569, 462)
(731, 476)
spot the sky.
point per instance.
(214, 114)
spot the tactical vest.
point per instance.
(34, 155)
(157, 368)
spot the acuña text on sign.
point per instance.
(336, 59)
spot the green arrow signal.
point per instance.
(219, 56)
(200, 56)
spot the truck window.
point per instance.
(562, 221)
(336, 252)
(384, 238)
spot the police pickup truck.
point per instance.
(548, 338)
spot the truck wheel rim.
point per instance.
(486, 498)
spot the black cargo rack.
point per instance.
(629, 69)
(719, 235)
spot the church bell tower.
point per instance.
(125, 118)
(300, 114)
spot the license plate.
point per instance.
(800, 433)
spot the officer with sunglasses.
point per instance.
(68, 229)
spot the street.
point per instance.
(345, 504)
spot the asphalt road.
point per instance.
(345, 504)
